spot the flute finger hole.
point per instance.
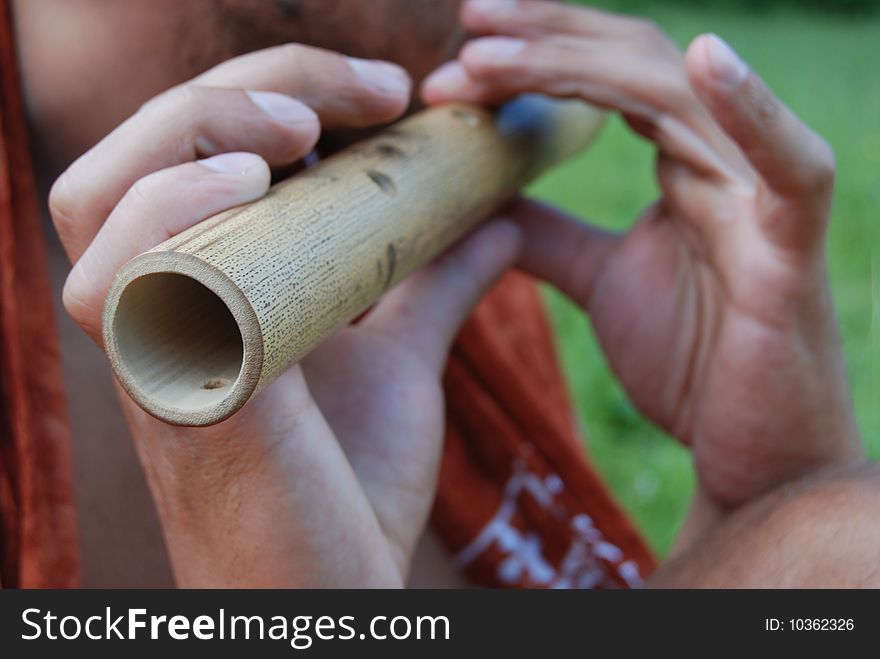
(385, 183)
(389, 150)
(468, 118)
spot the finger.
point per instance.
(344, 91)
(427, 310)
(179, 126)
(561, 249)
(649, 76)
(639, 85)
(792, 159)
(201, 119)
(558, 66)
(157, 207)
(527, 18)
(451, 82)
(698, 200)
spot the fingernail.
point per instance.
(490, 6)
(386, 77)
(495, 49)
(447, 77)
(282, 107)
(726, 66)
(231, 163)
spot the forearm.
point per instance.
(817, 531)
(237, 511)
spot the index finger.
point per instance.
(343, 91)
(211, 114)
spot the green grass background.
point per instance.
(827, 68)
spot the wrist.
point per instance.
(753, 468)
(238, 510)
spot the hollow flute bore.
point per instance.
(199, 324)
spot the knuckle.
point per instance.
(297, 52)
(181, 99)
(557, 18)
(765, 106)
(79, 302)
(150, 105)
(193, 112)
(61, 205)
(678, 95)
(292, 50)
(823, 169)
(141, 191)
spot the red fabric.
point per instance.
(38, 547)
(518, 504)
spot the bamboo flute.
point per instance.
(199, 324)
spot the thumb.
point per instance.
(793, 160)
(561, 249)
(427, 309)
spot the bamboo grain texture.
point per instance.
(196, 326)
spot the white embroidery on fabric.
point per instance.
(581, 567)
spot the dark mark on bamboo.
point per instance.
(391, 255)
(215, 383)
(389, 150)
(384, 182)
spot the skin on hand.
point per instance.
(330, 489)
(714, 309)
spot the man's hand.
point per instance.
(326, 477)
(714, 310)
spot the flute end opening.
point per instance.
(177, 348)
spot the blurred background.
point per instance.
(821, 57)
